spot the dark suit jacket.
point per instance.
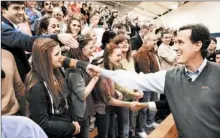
(145, 61)
(136, 42)
(17, 43)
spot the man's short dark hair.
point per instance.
(163, 33)
(217, 52)
(199, 33)
(119, 26)
(144, 26)
(6, 4)
(214, 39)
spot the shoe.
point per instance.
(142, 134)
(154, 125)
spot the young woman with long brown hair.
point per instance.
(49, 104)
(110, 95)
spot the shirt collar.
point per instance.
(199, 70)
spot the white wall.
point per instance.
(207, 13)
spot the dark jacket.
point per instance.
(56, 122)
(136, 42)
(77, 80)
(211, 57)
(17, 43)
(145, 61)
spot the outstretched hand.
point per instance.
(136, 106)
(93, 70)
(68, 40)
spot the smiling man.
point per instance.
(17, 42)
(192, 97)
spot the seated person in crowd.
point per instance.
(217, 57)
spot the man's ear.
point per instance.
(198, 46)
(3, 10)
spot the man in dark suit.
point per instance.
(17, 42)
(137, 40)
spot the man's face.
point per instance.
(212, 47)
(166, 39)
(31, 4)
(185, 49)
(217, 58)
(14, 13)
(48, 6)
(151, 42)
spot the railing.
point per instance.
(167, 129)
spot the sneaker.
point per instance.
(154, 125)
(142, 134)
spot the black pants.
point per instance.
(84, 128)
(106, 124)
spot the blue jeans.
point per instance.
(123, 116)
(145, 115)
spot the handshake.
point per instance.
(136, 106)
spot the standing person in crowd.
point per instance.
(217, 57)
(107, 95)
(12, 92)
(85, 12)
(126, 116)
(32, 13)
(195, 105)
(81, 85)
(137, 40)
(48, 97)
(107, 37)
(16, 42)
(47, 11)
(48, 26)
(211, 49)
(111, 19)
(74, 27)
(58, 14)
(146, 62)
(166, 54)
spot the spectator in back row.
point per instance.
(48, 25)
(211, 49)
(137, 40)
(217, 57)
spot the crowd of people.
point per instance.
(68, 68)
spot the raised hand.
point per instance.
(68, 40)
(93, 70)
